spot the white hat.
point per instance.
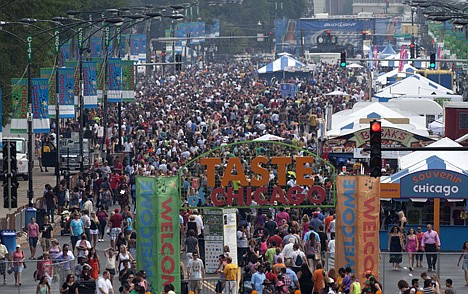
(331, 281)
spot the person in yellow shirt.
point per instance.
(230, 272)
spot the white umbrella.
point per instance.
(269, 137)
(354, 65)
(337, 93)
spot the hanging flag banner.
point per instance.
(66, 85)
(114, 78)
(40, 105)
(167, 234)
(357, 224)
(99, 77)
(128, 81)
(76, 78)
(96, 47)
(65, 48)
(19, 106)
(90, 84)
(49, 74)
(158, 204)
(1, 119)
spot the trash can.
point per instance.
(29, 213)
(9, 239)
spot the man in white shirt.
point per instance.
(3, 256)
(195, 273)
(104, 285)
(289, 249)
(199, 221)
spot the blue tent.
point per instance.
(387, 51)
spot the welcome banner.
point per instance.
(49, 74)
(357, 224)
(158, 231)
(40, 105)
(128, 81)
(19, 106)
(90, 84)
(66, 84)
(114, 78)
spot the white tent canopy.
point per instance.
(414, 84)
(281, 64)
(421, 106)
(269, 137)
(337, 93)
(407, 69)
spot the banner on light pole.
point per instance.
(76, 78)
(114, 80)
(66, 95)
(19, 106)
(40, 100)
(90, 85)
(128, 81)
(50, 74)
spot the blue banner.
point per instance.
(114, 77)
(434, 183)
(40, 104)
(96, 47)
(138, 44)
(1, 119)
(288, 90)
(90, 84)
(66, 79)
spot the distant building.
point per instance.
(395, 7)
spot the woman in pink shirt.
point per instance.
(33, 235)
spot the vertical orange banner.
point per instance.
(357, 224)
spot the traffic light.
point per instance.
(178, 60)
(10, 181)
(418, 51)
(375, 138)
(343, 59)
(412, 51)
(432, 61)
(364, 33)
(328, 36)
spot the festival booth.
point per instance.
(433, 187)
(350, 132)
(393, 75)
(412, 85)
(283, 68)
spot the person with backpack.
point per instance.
(298, 257)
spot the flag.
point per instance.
(19, 106)
(128, 81)
(375, 54)
(438, 56)
(157, 225)
(50, 74)
(114, 79)
(66, 99)
(40, 105)
(89, 85)
(76, 78)
(402, 56)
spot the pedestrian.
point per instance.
(45, 268)
(123, 255)
(94, 261)
(419, 255)
(403, 287)
(305, 279)
(115, 221)
(195, 273)
(111, 257)
(464, 256)
(230, 272)
(65, 260)
(431, 244)
(3, 260)
(47, 233)
(43, 287)
(319, 279)
(94, 229)
(395, 247)
(33, 235)
(449, 287)
(69, 286)
(76, 230)
(102, 217)
(411, 246)
(86, 223)
(50, 201)
(18, 264)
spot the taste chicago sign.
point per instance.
(259, 173)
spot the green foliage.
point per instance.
(13, 50)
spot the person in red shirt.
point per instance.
(275, 238)
(118, 166)
(116, 221)
(114, 181)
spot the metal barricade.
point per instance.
(29, 272)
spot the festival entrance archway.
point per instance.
(241, 175)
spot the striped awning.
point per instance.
(280, 64)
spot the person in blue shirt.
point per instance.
(311, 231)
(258, 278)
(76, 229)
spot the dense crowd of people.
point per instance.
(175, 119)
